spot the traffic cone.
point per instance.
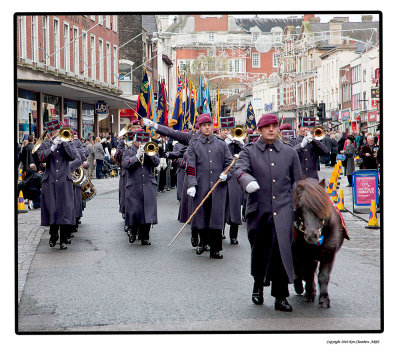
(112, 174)
(373, 221)
(334, 196)
(340, 204)
(20, 176)
(339, 163)
(331, 183)
(21, 203)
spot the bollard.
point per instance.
(373, 221)
(340, 204)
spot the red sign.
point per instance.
(366, 190)
(376, 78)
(354, 127)
(372, 116)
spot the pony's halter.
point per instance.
(300, 225)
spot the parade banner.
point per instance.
(365, 189)
(287, 135)
(308, 121)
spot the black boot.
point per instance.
(258, 293)
(53, 240)
(200, 248)
(146, 242)
(195, 241)
(281, 304)
(234, 241)
(216, 255)
(63, 246)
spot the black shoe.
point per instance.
(168, 189)
(126, 229)
(53, 240)
(194, 241)
(68, 241)
(123, 216)
(234, 241)
(244, 218)
(200, 249)
(281, 304)
(146, 242)
(207, 248)
(132, 238)
(216, 255)
(63, 246)
(258, 294)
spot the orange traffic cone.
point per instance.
(332, 181)
(21, 203)
(373, 221)
(334, 196)
(340, 204)
(20, 176)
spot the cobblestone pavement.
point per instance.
(30, 232)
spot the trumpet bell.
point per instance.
(239, 133)
(319, 133)
(66, 134)
(151, 148)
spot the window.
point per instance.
(277, 38)
(364, 75)
(254, 36)
(115, 67)
(211, 37)
(34, 39)
(100, 19)
(365, 100)
(237, 65)
(101, 61)
(93, 56)
(356, 101)
(115, 23)
(66, 47)
(56, 37)
(45, 49)
(108, 62)
(255, 60)
(275, 60)
(84, 54)
(93, 17)
(76, 50)
(108, 21)
(22, 36)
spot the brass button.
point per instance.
(210, 171)
(306, 158)
(270, 150)
(273, 197)
(274, 213)
(273, 181)
(272, 164)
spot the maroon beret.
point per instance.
(196, 126)
(249, 131)
(204, 118)
(285, 127)
(267, 119)
(135, 122)
(185, 130)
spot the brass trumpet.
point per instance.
(150, 149)
(319, 133)
(239, 133)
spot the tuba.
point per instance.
(78, 176)
(239, 133)
(319, 133)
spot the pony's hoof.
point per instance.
(324, 303)
(298, 287)
(308, 297)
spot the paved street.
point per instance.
(103, 283)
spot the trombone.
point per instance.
(66, 135)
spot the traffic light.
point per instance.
(321, 111)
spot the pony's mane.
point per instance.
(311, 195)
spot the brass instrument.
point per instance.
(39, 142)
(124, 130)
(239, 133)
(150, 149)
(319, 133)
(78, 176)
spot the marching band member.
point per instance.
(267, 171)
(234, 195)
(140, 189)
(177, 154)
(57, 210)
(309, 151)
(208, 158)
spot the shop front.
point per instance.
(27, 116)
(70, 118)
(87, 120)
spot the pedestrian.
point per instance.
(27, 157)
(99, 156)
(114, 141)
(309, 150)
(342, 141)
(208, 157)
(334, 149)
(349, 152)
(31, 186)
(327, 141)
(267, 170)
(140, 191)
(57, 203)
(91, 158)
(368, 153)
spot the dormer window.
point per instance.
(255, 36)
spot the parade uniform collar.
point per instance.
(210, 138)
(262, 145)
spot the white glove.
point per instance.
(223, 177)
(150, 123)
(57, 140)
(191, 191)
(309, 137)
(228, 140)
(139, 152)
(53, 147)
(252, 187)
(304, 142)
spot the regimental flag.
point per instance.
(176, 121)
(202, 99)
(208, 98)
(193, 110)
(144, 96)
(250, 118)
(217, 121)
(151, 112)
(162, 107)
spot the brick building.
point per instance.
(66, 64)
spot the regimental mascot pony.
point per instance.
(319, 231)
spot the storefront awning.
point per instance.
(77, 93)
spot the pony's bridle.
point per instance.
(300, 225)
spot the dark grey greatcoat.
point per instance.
(57, 188)
(207, 159)
(186, 202)
(77, 162)
(233, 213)
(275, 169)
(180, 136)
(122, 177)
(177, 153)
(309, 156)
(140, 188)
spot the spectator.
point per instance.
(368, 153)
(99, 156)
(327, 141)
(349, 161)
(334, 149)
(91, 159)
(114, 141)
(341, 141)
(27, 158)
(31, 186)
